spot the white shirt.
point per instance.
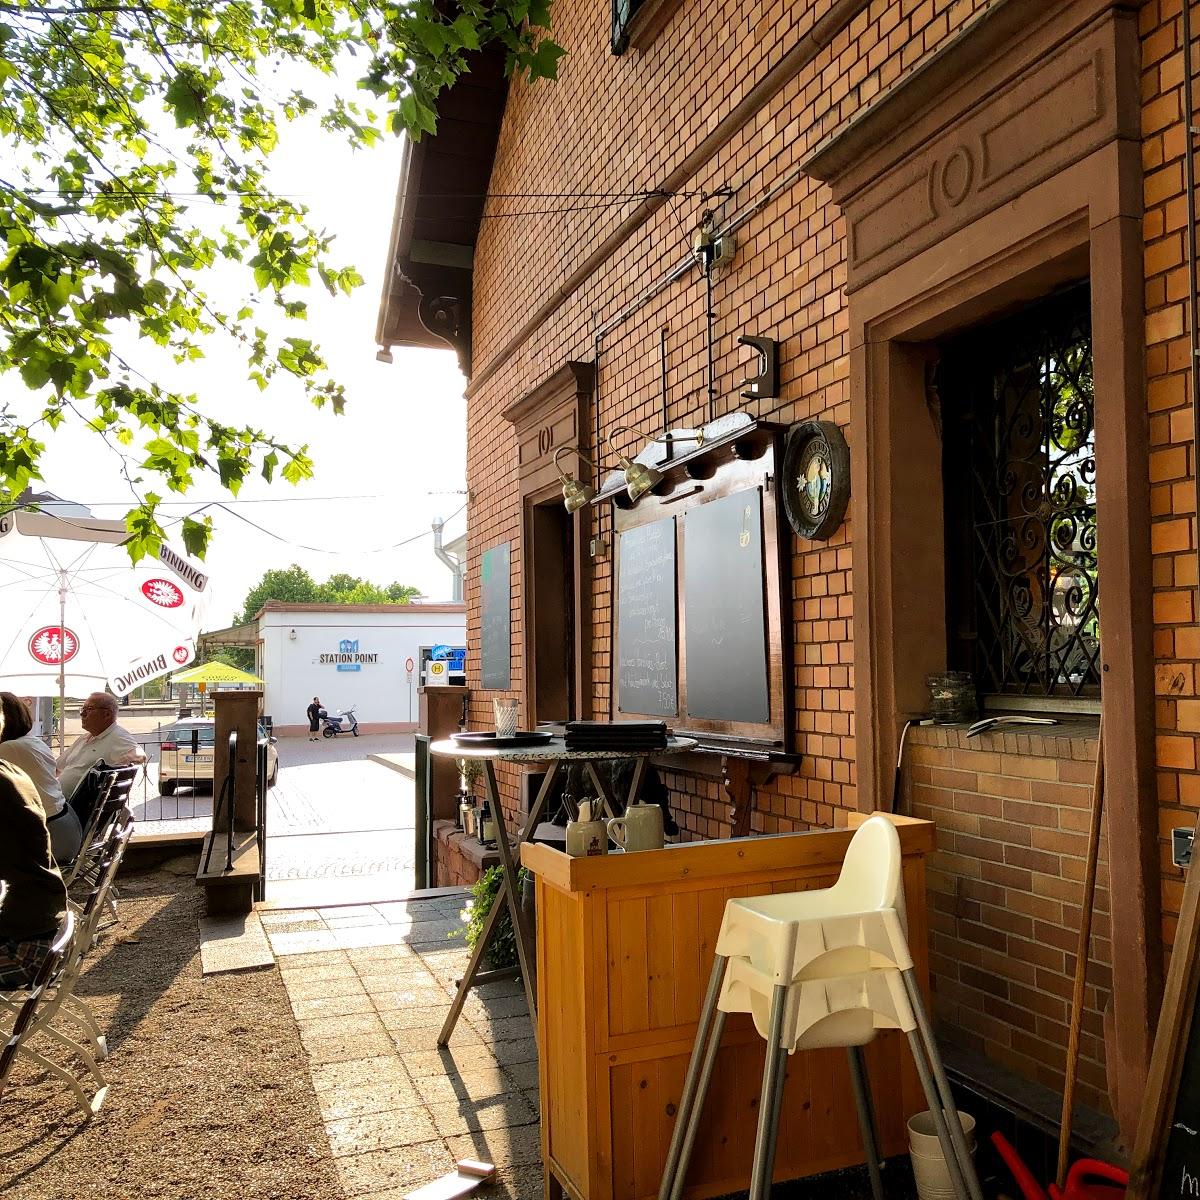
(33, 756)
(115, 746)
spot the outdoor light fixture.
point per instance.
(639, 478)
(575, 493)
(292, 634)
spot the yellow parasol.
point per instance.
(214, 672)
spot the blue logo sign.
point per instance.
(455, 656)
(348, 656)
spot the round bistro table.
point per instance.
(554, 754)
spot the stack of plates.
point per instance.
(616, 735)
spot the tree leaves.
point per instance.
(294, 585)
(115, 121)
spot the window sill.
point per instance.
(1073, 737)
(647, 23)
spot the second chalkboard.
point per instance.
(725, 619)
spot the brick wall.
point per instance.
(1172, 466)
(460, 860)
(615, 125)
(611, 126)
(1012, 814)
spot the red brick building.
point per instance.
(966, 224)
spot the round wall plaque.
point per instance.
(816, 478)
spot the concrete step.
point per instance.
(233, 943)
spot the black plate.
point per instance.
(520, 738)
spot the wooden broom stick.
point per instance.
(1082, 954)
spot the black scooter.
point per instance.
(344, 722)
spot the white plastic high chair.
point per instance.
(817, 969)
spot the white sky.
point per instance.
(401, 438)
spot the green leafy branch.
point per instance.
(118, 120)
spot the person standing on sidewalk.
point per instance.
(314, 719)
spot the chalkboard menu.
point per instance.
(646, 629)
(495, 635)
(1181, 1157)
(724, 609)
(1166, 1151)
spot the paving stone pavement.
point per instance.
(370, 986)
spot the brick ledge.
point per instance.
(472, 849)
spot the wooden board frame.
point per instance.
(751, 458)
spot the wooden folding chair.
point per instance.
(31, 1021)
(58, 998)
(94, 828)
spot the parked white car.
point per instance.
(188, 750)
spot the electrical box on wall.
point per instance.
(1181, 847)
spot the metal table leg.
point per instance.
(506, 894)
(510, 887)
(467, 982)
(539, 805)
(639, 769)
(590, 770)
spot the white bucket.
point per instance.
(929, 1163)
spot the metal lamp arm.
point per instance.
(666, 435)
(579, 453)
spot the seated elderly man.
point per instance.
(103, 740)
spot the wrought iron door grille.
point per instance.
(1019, 465)
(623, 12)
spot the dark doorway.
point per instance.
(551, 610)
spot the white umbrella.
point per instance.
(79, 616)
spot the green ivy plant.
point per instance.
(502, 952)
(470, 771)
(121, 125)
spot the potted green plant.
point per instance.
(502, 952)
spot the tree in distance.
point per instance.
(294, 585)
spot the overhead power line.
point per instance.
(221, 504)
(233, 194)
(322, 549)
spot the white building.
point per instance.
(370, 657)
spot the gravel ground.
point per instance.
(209, 1093)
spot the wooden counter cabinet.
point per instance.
(624, 950)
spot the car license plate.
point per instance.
(200, 758)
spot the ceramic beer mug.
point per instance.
(641, 828)
(586, 837)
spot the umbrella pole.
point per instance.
(62, 661)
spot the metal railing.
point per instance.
(185, 795)
(188, 791)
(260, 820)
(226, 797)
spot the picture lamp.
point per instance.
(575, 493)
(639, 478)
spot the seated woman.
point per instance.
(35, 902)
(20, 747)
